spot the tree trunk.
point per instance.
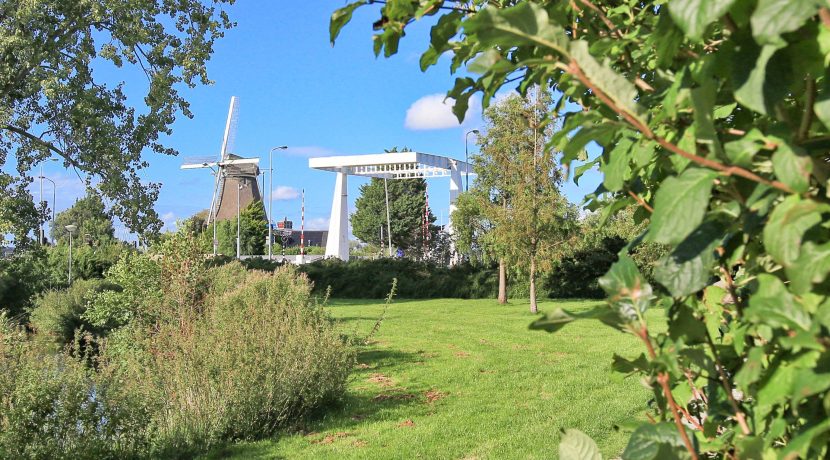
(533, 307)
(502, 282)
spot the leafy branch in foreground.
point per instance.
(714, 122)
(54, 102)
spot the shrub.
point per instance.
(59, 314)
(253, 355)
(52, 406)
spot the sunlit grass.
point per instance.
(466, 379)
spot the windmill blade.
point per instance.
(199, 162)
(230, 129)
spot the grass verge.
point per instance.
(453, 378)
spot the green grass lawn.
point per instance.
(466, 379)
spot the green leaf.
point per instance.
(582, 169)
(822, 104)
(694, 15)
(799, 447)
(792, 165)
(625, 366)
(680, 204)
(787, 224)
(741, 151)
(618, 88)
(683, 324)
(628, 291)
(775, 17)
(688, 268)
(655, 442)
(750, 448)
(751, 370)
(524, 24)
(576, 445)
(773, 305)
(811, 267)
(615, 169)
(807, 382)
(755, 76)
(341, 17)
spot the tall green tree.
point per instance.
(713, 117)
(90, 215)
(515, 210)
(407, 202)
(54, 103)
(253, 231)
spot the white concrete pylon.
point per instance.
(337, 243)
(392, 165)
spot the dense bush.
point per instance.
(59, 314)
(54, 407)
(253, 356)
(193, 356)
(372, 279)
(32, 272)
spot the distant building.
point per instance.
(312, 238)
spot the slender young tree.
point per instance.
(515, 212)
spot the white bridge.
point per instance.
(395, 165)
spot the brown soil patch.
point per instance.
(434, 395)
(360, 443)
(461, 354)
(394, 397)
(363, 366)
(486, 371)
(381, 380)
(330, 438)
(405, 423)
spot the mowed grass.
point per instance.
(459, 379)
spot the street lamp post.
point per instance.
(54, 203)
(40, 230)
(70, 228)
(467, 160)
(271, 198)
(238, 220)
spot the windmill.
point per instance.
(233, 174)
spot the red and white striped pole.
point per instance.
(302, 226)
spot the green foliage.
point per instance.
(54, 104)
(253, 231)
(188, 356)
(237, 360)
(54, 406)
(138, 279)
(515, 211)
(59, 314)
(92, 218)
(407, 199)
(372, 279)
(712, 116)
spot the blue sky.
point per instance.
(296, 89)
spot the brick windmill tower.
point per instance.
(235, 184)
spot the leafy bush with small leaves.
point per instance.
(713, 118)
(224, 353)
(59, 315)
(54, 407)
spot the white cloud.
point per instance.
(310, 151)
(285, 193)
(435, 112)
(317, 223)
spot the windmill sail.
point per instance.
(227, 147)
